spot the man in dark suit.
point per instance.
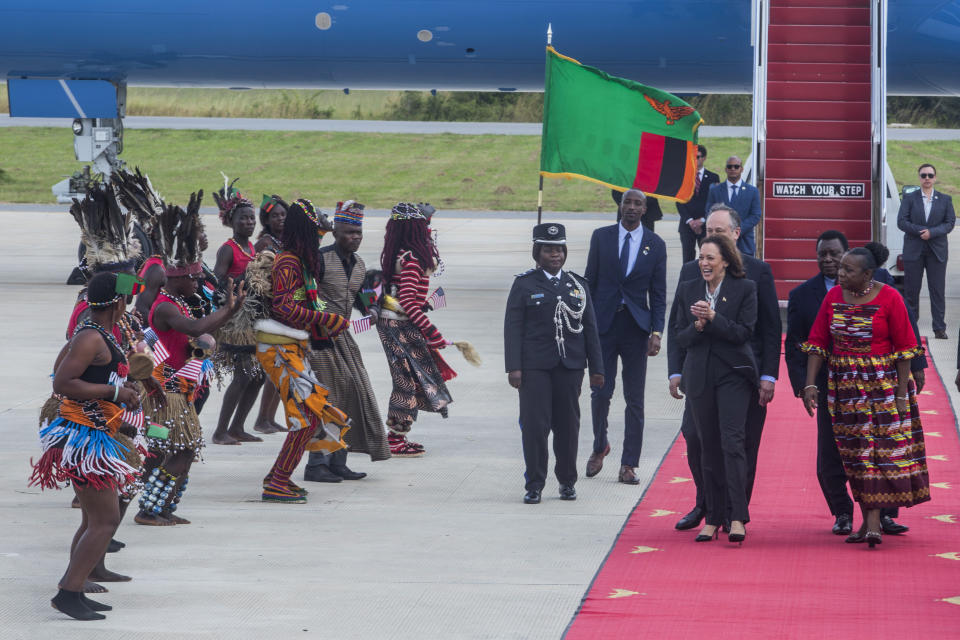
(693, 214)
(550, 336)
(926, 217)
(802, 308)
(744, 198)
(627, 275)
(724, 220)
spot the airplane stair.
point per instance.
(817, 171)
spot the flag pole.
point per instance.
(540, 190)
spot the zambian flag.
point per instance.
(616, 132)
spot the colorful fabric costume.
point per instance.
(883, 452)
(282, 346)
(410, 342)
(337, 362)
(81, 444)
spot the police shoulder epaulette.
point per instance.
(525, 273)
(577, 276)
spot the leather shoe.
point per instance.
(595, 462)
(532, 497)
(892, 527)
(843, 525)
(940, 333)
(690, 520)
(338, 465)
(627, 476)
(321, 473)
(567, 492)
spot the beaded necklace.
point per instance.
(107, 335)
(273, 240)
(177, 300)
(865, 292)
(242, 250)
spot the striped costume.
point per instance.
(883, 452)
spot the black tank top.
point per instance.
(104, 373)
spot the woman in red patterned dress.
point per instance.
(410, 341)
(864, 334)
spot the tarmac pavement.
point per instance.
(436, 547)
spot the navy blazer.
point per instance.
(911, 220)
(644, 289)
(802, 308)
(747, 204)
(727, 337)
(766, 336)
(696, 207)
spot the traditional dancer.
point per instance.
(410, 340)
(174, 434)
(337, 361)
(282, 344)
(273, 211)
(80, 445)
(232, 355)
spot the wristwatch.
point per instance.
(656, 333)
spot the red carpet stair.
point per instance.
(818, 128)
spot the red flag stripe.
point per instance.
(649, 163)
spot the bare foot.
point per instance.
(105, 575)
(178, 520)
(267, 427)
(243, 436)
(76, 503)
(223, 438)
(152, 520)
(93, 587)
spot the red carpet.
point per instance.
(792, 578)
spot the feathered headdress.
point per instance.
(181, 232)
(104, 229)
(136, 193)
(229, 199)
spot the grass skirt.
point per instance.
(179, 416)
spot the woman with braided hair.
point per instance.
(297, 312)
(236, 355)
(411, 342)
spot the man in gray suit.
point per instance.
(744, 198)
(926, 217)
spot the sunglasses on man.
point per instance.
(733, 166)
(927, 176)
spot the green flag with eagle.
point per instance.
(616, 132)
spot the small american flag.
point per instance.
(191, 370)
(361, 325)
(133, 418)
(150, 336)
(438, 299)
(160, 353)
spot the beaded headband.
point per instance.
(406, 211)
(349, 212)
(309, 209)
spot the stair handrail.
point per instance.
(759, 29)
(878, 108)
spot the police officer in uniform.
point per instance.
(550, 337)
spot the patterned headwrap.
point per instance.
(349, 212)
(309, 209)
(229, 199)
(406, 211)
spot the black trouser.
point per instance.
(628, 342)
(756, 417)
(720, 413)
(830, 473)
(550, 401)
(689, 242)
(936, 285)
(688, 427)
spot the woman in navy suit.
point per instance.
(719, 373)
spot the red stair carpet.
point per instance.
(792, 578)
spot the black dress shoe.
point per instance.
(690, 520)
(567, 492)
(338, 465)
(843, 525)
(889, 525)
(941, 334)
(532, 497)
(321, 473)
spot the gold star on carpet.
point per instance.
(643, 549)
(953, 600)
(949, 518)
(926, 393)
(940, 485)
(950, 555)
(941, 458)
(678, 480)
(935, 434)
(659, 513)
(930, 412)
(622, 593)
